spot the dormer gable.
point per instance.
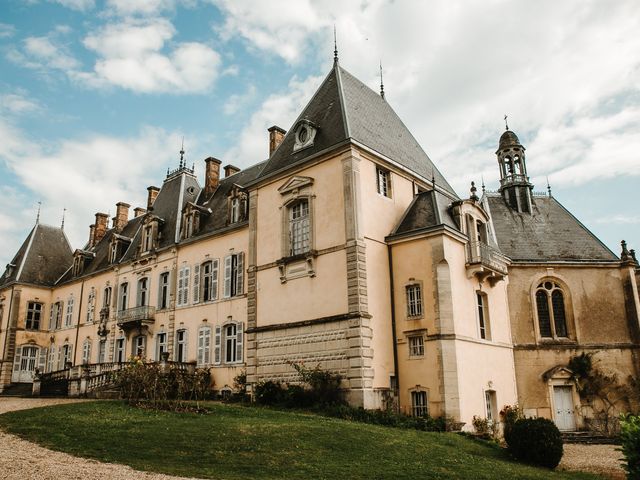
(237, 205)
(150, 233)
(80, 260)
(118, 244)
(192, 215)
(295, 183)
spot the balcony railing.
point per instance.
(137, 315)
(513, 178)
(479, 254)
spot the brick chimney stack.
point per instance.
(276, 135)
(101, 227)
(138, 211)
(153, 193)
(92, 235)
(122, 216)
(230, 170)
(211, 175)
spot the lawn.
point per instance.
(235, 442)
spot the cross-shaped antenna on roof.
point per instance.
(38, 215)
(506, 125)
(64, 210)
(381, 82)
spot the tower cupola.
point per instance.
(514, 181)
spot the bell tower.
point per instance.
(514, 182)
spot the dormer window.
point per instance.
(304, 134)
(113, 250)
(147, 238)
(190, 223)
(235, 209)
(77, 265)
(237, 206)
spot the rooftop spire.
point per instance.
(548, 186)
(506, 125)
(182, 154)
(38, 215)
(64, 210)
(483, 189)
(381, 82)
(335, 45)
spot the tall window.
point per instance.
(65, 355)
(163, 294)
(161, 345)
(383, 181)
(233, 275)
(118, 353)
(106, 298)
(299, 228)
(414, 300)
(419, 405)
(416, 346)
(552, 319)
(143, 292)
(124, 296)
(229, 343)
(51, 361)
(86, 352)
(102, 351)
(483, 316)
(181, 346)
(113, 251)
(34, 314)
(91, 306)
(57, 314)
(204, 346)
(235, 210)
(139, 344)
(68, 317)
(210, 280)
(490, 404)
(183, 286)
(147, 238)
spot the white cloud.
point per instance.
(44, 53)
(238, 101)
(17, 104)
(80, 5)
(280, 109)
(131, 56)
(140, 7)
(7, 30)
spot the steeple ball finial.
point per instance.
(335, 45)
(381, 81)
(506, 125)
(182, 154)
(473, 190)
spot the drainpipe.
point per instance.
(393, 326)
(75, 347)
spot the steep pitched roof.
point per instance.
(549, 233)
(345, 108)
(428, 209)
(43, 257)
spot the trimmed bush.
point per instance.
(536, 441)
(270, 393)
(510, 414)
(630, 439)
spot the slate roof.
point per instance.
(549, 233)
(42, 259)
(428, 209)
(345, 108)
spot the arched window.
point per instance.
(552, 318)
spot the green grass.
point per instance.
(234, 442)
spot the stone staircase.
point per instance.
(17, 390)
(588, 438)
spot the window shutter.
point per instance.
(217, 351)
(42, 359)
(196, 284)
(240, 274)
(180, 285)
(214, 279)
(239, 341)
(185, 289)
(207, 346)
(51, 317)
(227, 276)
(200, 347)
(159, 303)
(16, 359)
(70, 357)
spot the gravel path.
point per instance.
(603, 460)
(22, 460)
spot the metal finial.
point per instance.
(506, 125)
(64, 210)
(433, 179)
(335, 44)
(482, 178)
(38, 215)
(548, 186)
(182, 154)
(473, 191)
(381, 82)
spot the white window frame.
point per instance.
(204, 346)
(86, 352)
(234, 275)
(34, 316)
(142, 298)
(183, 286)
(161, 344)
(414, 300)
(123, 300)
(299, 218)
(163, 293)
(181, 345)
(119, 350)
(210, 280)
(68, 318)
(490, 405)
(106, 299)
(383, 181)
(139, 346)
(482, 309)
(419, 403)
(416, 346)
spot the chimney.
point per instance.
(92, 235)
(230, 170)
(153, 193)
(122, 215)
(276, 135)
(101, 227)
(139, 211)
(211, 175)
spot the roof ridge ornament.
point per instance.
(381, 82)
(506, 125)
(548, 187)
(473, 191)
(38, 214)
(182, 154)
(64, 210)
(335, 45)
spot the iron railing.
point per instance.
(513, 178)
(144, 313)
(479, 253)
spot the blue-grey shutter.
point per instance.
(227, 276)
(185, 285)
(218, 344)
(240, 274)
(214, 279)
(239, 341)
(196, 284)
(42, 360)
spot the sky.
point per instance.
(96, 96)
